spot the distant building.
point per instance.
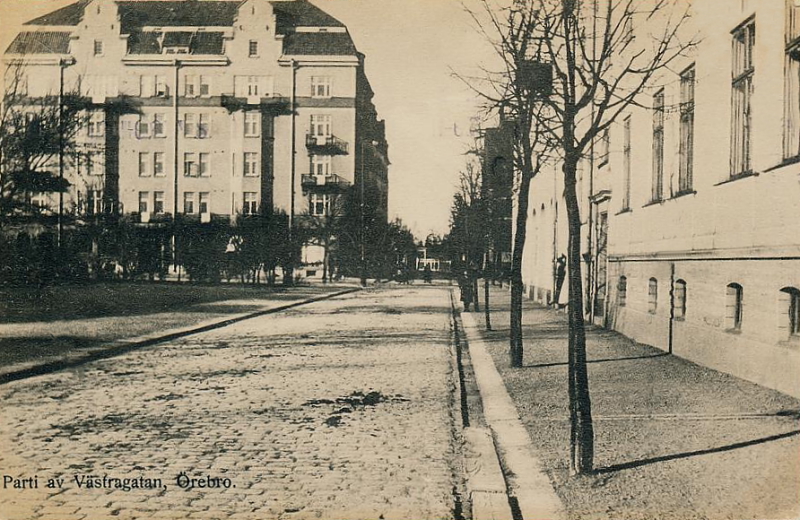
(192, 109)
(690, 207)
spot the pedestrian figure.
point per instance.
(561, 271)
(466, 286)
(427, 275)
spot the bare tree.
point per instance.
(323, 229)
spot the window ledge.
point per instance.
(738, 176)
(683, 193)
(654, 202)
(623, 211)
(733, 331)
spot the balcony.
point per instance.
(331, 182)
(326, 145)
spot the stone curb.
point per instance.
(525, 478)
(123, 346)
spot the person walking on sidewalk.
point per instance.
(467, 290)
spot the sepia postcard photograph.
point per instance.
(400, 260)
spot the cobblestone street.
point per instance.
(341, 408)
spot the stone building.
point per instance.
(208, 108)
(691, 205)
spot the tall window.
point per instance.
(190, 164)
(250, 164)
(791, 99)
(161, 86)
(189, 125)
(204, 202)
(320, 204)
(97, 123)
(790, 305)
(253, 83)
(144, 201)
(679, 300)
(203, 166)
(158, 164)
(250, 206)
(252, 124)
(603, 147)
(622, 291)
(658, 146)
(321, 86)
(742, 93)
(321, 125)
(144, 164)
(94, 202)
(98, 47)
(188, 202)
(205, 86)
(143, 127)
(652, 296)
(687, 131)
(321, 164)
(203, 126)
(626, 164)
(734, 302)
(158, 202)
(252, 48)
(158, 125)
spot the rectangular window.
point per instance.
(319, 204)
(321, 164)
(603, 147)
(94, 202)
(734, 301)
(144, 164)
(188, 202)
(626, 164)
(190, 86)
(252, 85)
(203, 126)
(190, 164)
(98, 47)
(658, 146)
(143, 127)
(652, 296)
(144, 201)
(742, 93)
(161, 86)
(189, 125)
(321, 125)
(204, 202)
(97, 123)
(204, 168)
(320, 86)
(158, 202)
(679, 299)
(205, 86)
(685, 168)
(250, 164)
(158, 125)
(249, 206)
(252, 48)
(158, 164)
(252, 124)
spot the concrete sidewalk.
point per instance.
(673, 440)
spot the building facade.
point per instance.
(691, 205)
(207, 109)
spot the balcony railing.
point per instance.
(326, 145)
(329, 181)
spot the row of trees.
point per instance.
(570, 70)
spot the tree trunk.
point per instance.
(476, 293)
(517, 288)
(325, 263)
(580, 407)
(486, 302)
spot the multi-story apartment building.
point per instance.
(690, 206)
(208, 108)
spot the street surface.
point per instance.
(338, 409)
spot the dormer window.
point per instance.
(177, 42)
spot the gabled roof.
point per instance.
(318, 44)
(205, 13)
(53, 42)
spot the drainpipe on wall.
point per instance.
(175, 166)
(294, 149)
(671, 305)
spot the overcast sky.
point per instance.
(411, 47)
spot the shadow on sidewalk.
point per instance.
(546, 365)
(676, 456)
